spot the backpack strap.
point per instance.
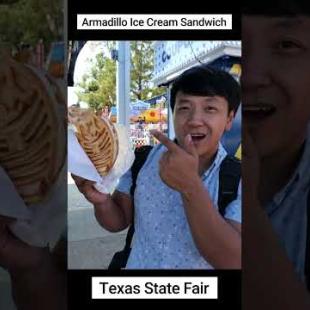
(307, 259)
(141, 155)
(229, 177)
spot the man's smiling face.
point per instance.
(275, 81)
(205, 118)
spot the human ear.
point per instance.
(229, 121)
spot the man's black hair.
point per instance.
(203, 80)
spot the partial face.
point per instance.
(205, 118)
(276, 81)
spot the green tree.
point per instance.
(142, 65)
(28, 21)
(99, 87)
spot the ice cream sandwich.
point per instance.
(97, 136)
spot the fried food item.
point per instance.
(97, 136)
(32, 150)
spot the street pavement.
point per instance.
(89, 245)
(6, 302)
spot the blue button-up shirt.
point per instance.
(163, 238)
(288, 212)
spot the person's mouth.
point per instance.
(197, 137)
(258, 111)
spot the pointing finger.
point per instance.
(171, 146)
(189, 146)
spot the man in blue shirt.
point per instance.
(276, 149)
(177, 223)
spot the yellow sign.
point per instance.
(153, 116)
(238, 153)
(235, 69)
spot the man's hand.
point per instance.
(15, 254)
(37, 281)
(178, 167)
(86, 187)
(113, 213)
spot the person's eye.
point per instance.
(210, 109)
(183, 108)
(288, 46)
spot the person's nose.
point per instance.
(196, 118)
(255, 69)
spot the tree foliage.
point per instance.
(142, 65)
(99, 87)
(28, 21)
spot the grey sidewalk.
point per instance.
(89, 245)
(6, 302)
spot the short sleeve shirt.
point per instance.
(163, 238)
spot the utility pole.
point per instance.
(171, 132)
(123, 83)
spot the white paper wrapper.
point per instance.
(11, 203)
(80, 164)
(39, 224)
